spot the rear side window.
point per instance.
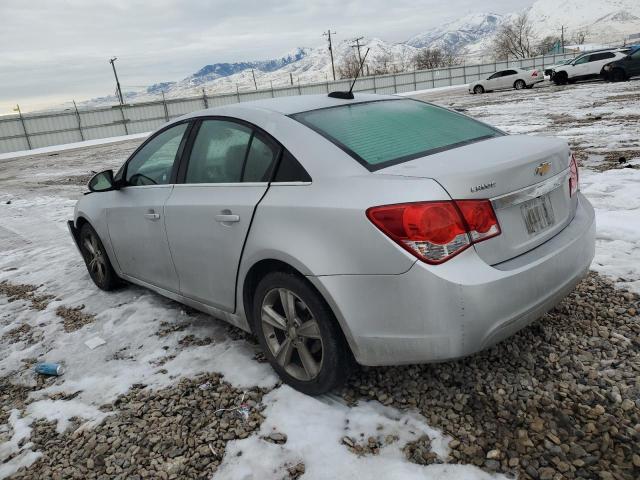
(388, 132)
(260, 160)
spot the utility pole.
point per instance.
(357, 45)
(119, 91)
(562, 37)
(254, 79)
(328, 35)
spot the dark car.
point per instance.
(623, 68)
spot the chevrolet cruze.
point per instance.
(378, 229)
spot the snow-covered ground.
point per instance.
(145, 333)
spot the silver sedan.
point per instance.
(378, 229)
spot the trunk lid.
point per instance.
(525, 177)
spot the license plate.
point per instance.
(537, 214)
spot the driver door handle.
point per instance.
(152, 216)
(227, 218)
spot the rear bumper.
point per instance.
(437, 313)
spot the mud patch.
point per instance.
(25, 292)
(74, 318)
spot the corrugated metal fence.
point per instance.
(35, 130)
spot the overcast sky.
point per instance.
(52, 51)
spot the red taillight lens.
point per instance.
(574, 178)
(436, 231)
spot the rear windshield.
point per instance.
(388, 132)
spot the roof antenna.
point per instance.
(349, 95)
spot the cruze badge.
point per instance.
(484, 186)
(543, 168)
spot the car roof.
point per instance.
(292, 104)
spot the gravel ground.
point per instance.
(558, 400)
(561, 399)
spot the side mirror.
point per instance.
(102, 182)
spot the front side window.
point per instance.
(218, 152)
(509, 72)
(636, 55)
(153, 163)
(584, 59)
(495, 75)
(382, 133)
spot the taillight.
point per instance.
(436, 231)
(574, 177)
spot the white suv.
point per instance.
(587, 65)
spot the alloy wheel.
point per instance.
(95, 259)
(292, 334)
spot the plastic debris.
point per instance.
(94, 343)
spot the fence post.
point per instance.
(166, 110)
(79, 122)
(375, 88)
(327, 84)
(124, 120)
(395, 84)
(204, 98)
(299, 89)
(464, 73)
(415, 83)
(26, 135)
(238, 93)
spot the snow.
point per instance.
(68, 146)
(615, 198)
(314, 429)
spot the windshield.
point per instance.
(387, 132)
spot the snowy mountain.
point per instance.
(459, 34)
(602, 20)
(599, 21)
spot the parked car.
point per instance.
(586, 66)
(624, 68)
(381, 229)
(548, 71)
(505, 79)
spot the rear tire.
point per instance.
(299, 334)
(519, 85)
(478, 89)
(95, 258)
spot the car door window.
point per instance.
(506, 73)
(290, 170)
(153, 163)
(495, 75)
(218, 153)
(260, 160)
(584, 59)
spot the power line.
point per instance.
(328, 35)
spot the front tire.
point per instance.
(478, 89)
(519, 85)
(299, 334)
(618, 75)
(560, 78)
(96, 259)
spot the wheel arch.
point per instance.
(267, 265)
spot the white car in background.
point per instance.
(513, 77)
(586, 66)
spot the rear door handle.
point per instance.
(152, 216)
(227, 218)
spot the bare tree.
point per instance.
(514, 39)
(384, 64)
(547, 44)
(580, 36)
(348, 66)
(428, 58)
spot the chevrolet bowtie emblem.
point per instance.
(543, 168)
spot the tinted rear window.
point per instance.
(388, 132)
